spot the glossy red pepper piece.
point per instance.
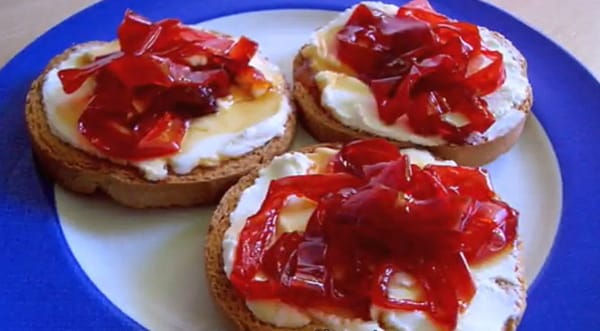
(355, 155)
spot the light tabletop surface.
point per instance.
(573, 24)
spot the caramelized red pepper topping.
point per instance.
(376, 215)
(422, 65)
(165, 74)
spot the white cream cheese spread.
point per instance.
(498, 289)
(237, 128)
(352, 103)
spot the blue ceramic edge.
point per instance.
(567, 153)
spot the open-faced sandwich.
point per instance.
(416, 78)
(366, 237)
(167, 115)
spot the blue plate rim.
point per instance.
(229, 8)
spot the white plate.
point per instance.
(150, 263)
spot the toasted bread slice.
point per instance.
(82, 172)
(234, 305)
(319, 122)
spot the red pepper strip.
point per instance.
(133, 32)
(72, 79)
(354, 156)
(261, 227)
(486, 80)
(492, 226)
(466, 181)
(449, 285)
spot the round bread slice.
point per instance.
(319, 122)
(233, 305)
(82, 172)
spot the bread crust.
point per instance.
(82, 172)
(324, 127)
(232, 304)
(224, 294)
